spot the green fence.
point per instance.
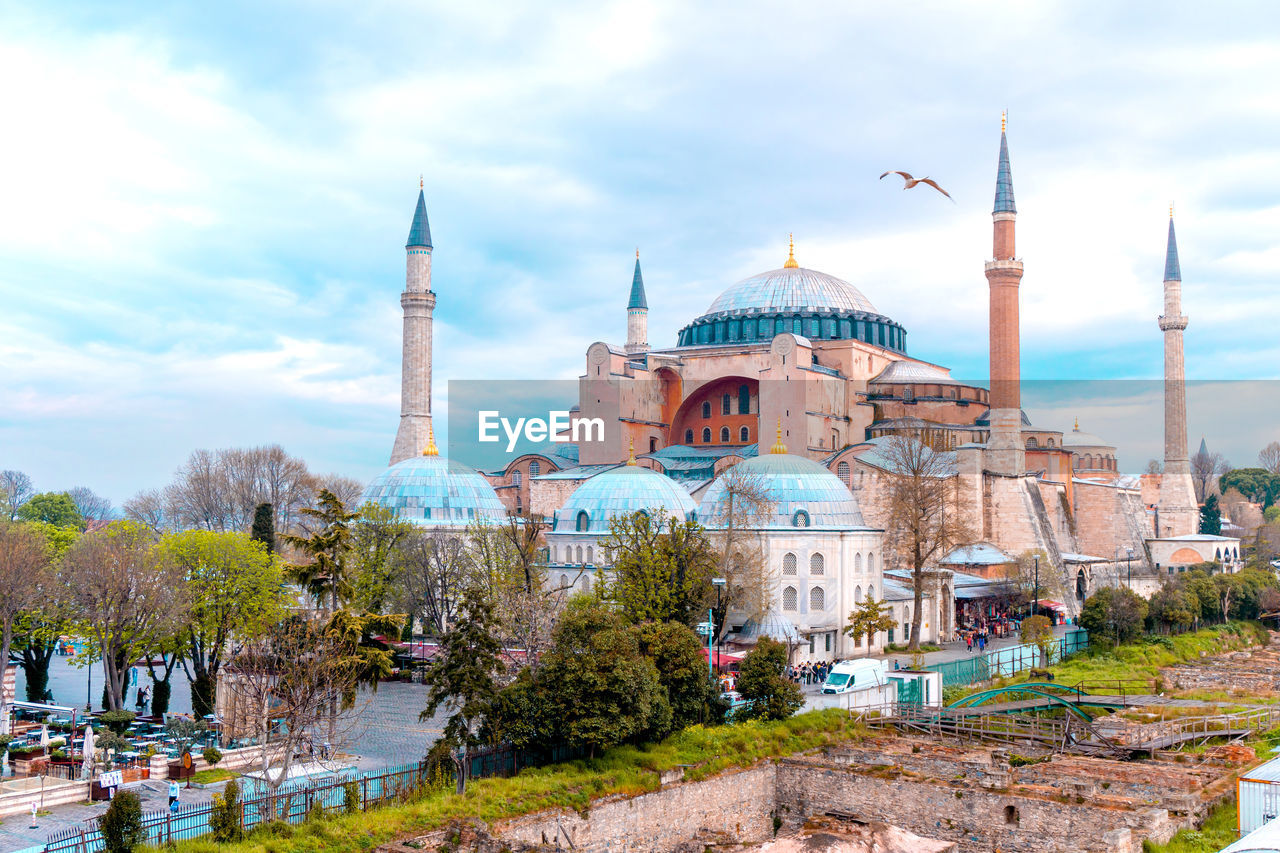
(1007, 661)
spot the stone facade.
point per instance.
(418, 303)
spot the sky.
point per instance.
(205, 205)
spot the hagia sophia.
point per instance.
(793, 377)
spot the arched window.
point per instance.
(1032, 444)
(800, 519)
(517, 479)
(519, 506)
(535, 468)
(564, 581)
(1051, 444)
(857, 562)
(726, 405)
(871, 593)
(871, 562)
(817, 565)
(553, 553)
(857, 594)
(789, 598)
(817, 599)
(842, 471)
(579, 555)
(584, 520)
(653, 445)
(591, 556)
(688, 436)
(586, 583)
(706, 409)
(788, 564)
(724, 435)
(744, 435)
(706, 435)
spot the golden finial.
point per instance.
(431, 449)
(1171, 210)
(778, 446)
(1077, 424)
(421, 185)
(631, 452)
(1004, 120)
(637, 253)
(791, 254)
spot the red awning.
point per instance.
(724, 658)
(1050, 605)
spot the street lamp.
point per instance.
(1035, 598)
(1129, 565)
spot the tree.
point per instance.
(224, 815)
(1211, 517)
(39, 629)
(1038, 631)
(744, 507)
(376, 534)
(1269, 458)
(869, 618)
(326, 549)
(433, 567)
(1172, 608)
(464, 675)
(662, 568)
(149, 508)
(91, 505)
(1226, 593)
(121, 825)
(1113, 614)
(769, 695)
(508, 562)
(54, 508)
(676, 653)
(234, 589)
(921, 527)
(1206, 468)
(1154, 466)
(1257, 484)
(25, 576)
(220, 490)
(599, 689)
(264, 526)
(15, 490)
(127, 594)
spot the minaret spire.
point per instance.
(418, 302)
(637, 314)
(1006, 453)
(1179, 513)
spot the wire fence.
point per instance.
(1008, 661)
(292, 803)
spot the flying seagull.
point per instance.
(911, 182)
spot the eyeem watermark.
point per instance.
(557, 427)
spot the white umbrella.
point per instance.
(44, 737)
(88, 749)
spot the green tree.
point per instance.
(376, 535)
(1038, 631)
(869, 618)
(1271, 514)
(39, 630)
(264, 526)
(599, 689)
(327, 548)
(121, 825)
(56, 508)
(224, 817)
(1257, 484)
(1211, 517)
(1172, 608)
(25, 576)
(464, 675)
(235, 591)
(762, 683)
(1114, 615)
(662, 568)
(676, 652)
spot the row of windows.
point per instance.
(814, 328)
(571, 556)
(584, 584)
(744, 435)
(1033, 444)
(726, 403)
(818, 563)
(817, 599)
(517, 477)
(1089, 462)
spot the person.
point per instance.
(968, 642)
(174, 790)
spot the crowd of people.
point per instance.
(810, 673)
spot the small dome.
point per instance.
(794, 288)
(804, 493)
(433, 490)
(622, 491)
(772, 625)
(1076, 438)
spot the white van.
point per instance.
(850, 675)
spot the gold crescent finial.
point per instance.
(631, 452)
(637, 253)
(791, 253)
(1077, 424)
(778, 446)
(431, 449)
(420, 183)
(1004, 120)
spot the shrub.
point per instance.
(351, 796)
(224, 820)
(121, 826)
(117, 721)
(212, 755)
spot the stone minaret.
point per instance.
(1005, 452)
(637, 314)
(1178, 512)
(415, 367)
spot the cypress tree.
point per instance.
(264, 526)
(1211, 517)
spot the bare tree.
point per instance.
(1154, 466)
(434, 567)
(15, 490)
(734, 530)
(25, 574)
(92, 506)
(917, 490)
(150, 508)
(219, 490)
(128, 595)
(282, 687)
(1269, 457)
(347, 489)
(1206, 468)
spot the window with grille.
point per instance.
(706, 409)
(744, 435)
(789, 598)
(583, 522)
(788, 564)
(800, 519)
(535, 468)
(724, 435)
(706, 435)
(817, 564)
(842, 471)
(726, 405)
(817, 599)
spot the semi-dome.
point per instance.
(621, 491)
(804, 494)
(431, 490)
(796, 300)
(1078, 438)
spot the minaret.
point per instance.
(415, 366)
(637, 314)
(1005, 453)
(1178, 512)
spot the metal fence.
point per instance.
(291, 804)
(1007, 661)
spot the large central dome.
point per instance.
(794, 288)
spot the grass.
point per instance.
(1218, 831)
(573, 785)
(211, 775)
